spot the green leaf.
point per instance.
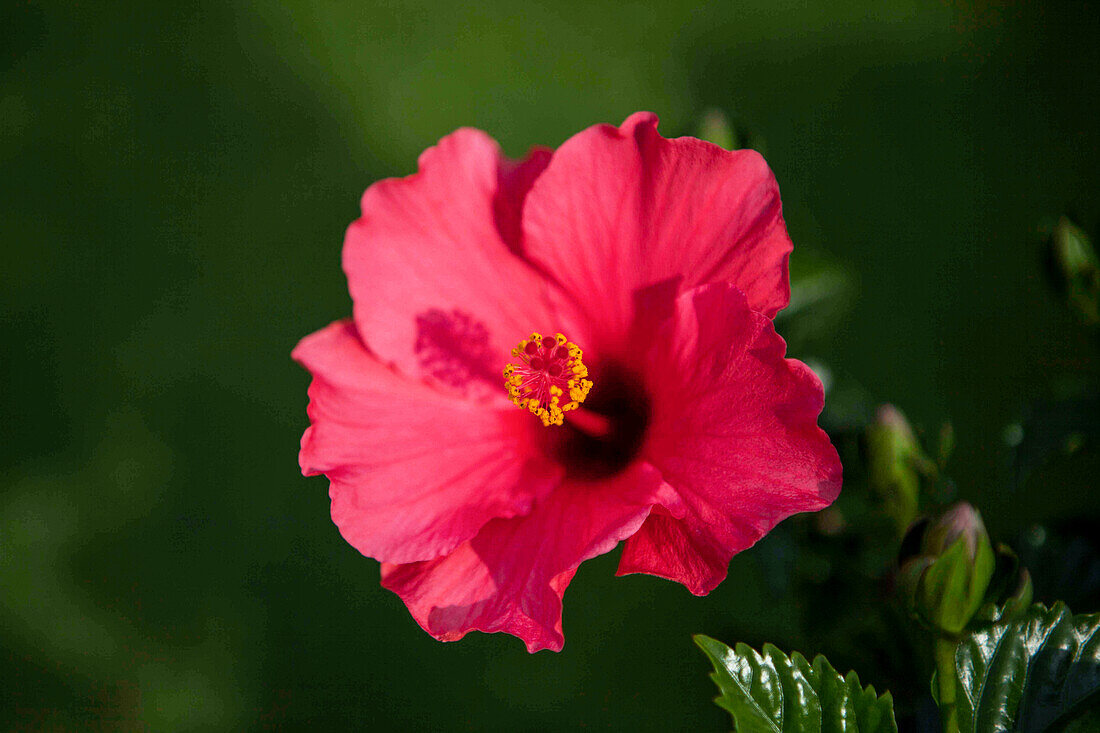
(1040, 670)
(776, 693)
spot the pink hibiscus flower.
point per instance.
(658, 408)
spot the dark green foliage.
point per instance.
(773, 692)
(1036, 673)
(178, 180)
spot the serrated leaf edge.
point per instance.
(850, 680)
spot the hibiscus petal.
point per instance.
(733, 432)
(436, 286)
(512, 576)
(413, 472)
(515, 180)
(627, 206)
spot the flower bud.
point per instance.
(961, 520)
(727, 131)
(714, 127)
(896, 464)
(945, 585)
(1076, 269)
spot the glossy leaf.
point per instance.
(772, 692)
(1039, 670)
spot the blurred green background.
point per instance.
(176, 182)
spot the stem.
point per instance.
(946, 683)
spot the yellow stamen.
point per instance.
(547, 371)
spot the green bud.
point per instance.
(1010, 591)
(945, 585)
(908, 581)
(714, 127)
(727, 131)
(896, 465)
(1019, 599)
(1076, 269)
(946, 444)
(960, 520)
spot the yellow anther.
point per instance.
(545, 370)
